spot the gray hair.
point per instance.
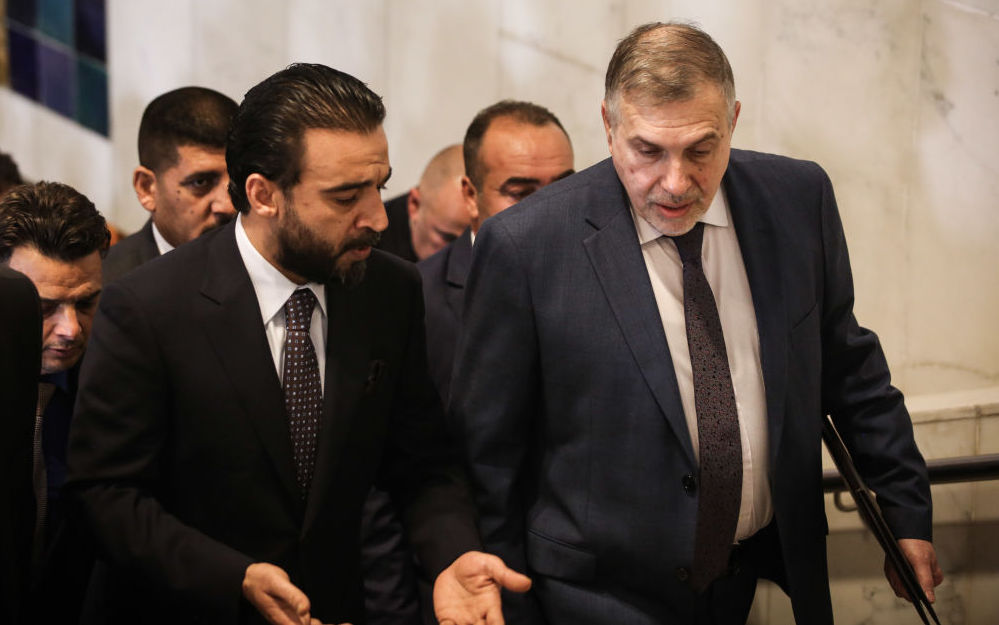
(666, 62)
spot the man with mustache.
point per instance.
(181, 178)
(650, 349)
(244, 392)
(54, 235)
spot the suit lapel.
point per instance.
(458, 261)
(347, 372)
(617, 259)
(234, 328)
(758, 242)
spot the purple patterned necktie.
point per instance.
(719, 439)
(303, 392)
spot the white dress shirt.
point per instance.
(161, 243)
(726, 273)
(273, 290)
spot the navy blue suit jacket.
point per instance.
(444, 276)
(574, 428)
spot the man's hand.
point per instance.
(923, 558)
(468, 591)
(270, 591)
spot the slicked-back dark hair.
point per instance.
(267, 132)
(10, 175)
(56, 219)
(187, 116)
(523, 112)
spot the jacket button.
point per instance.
(682, 574)
(689, 484)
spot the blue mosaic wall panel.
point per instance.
(58, 57)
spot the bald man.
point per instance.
(433, 213)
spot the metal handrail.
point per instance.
(941, 471)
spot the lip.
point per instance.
(360, 253)
(62, 352)
(674, 211)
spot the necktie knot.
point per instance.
(689, 244)
(298, 310)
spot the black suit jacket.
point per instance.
(181, 455)
(444, 276)
(132, 251)
(20, 361)
(397, 238)
(572, 417)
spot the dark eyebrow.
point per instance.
(564, 174)
(359, 184)
(509, 182)
(84, 298)
(201, 174)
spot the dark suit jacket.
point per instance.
(397, 238)
(20, 361)
(444, 276)
(132, 251)
(572, 416)
(181, 455)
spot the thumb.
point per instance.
(507, 577)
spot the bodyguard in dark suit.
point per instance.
(54, 236)
(646, 361)
(244, 392)
(511, 149)
(181, 178)
(20, 358)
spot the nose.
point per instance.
(221, 202)
(373, 214)
(675, 180)
(67, 323)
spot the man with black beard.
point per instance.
(230, 426)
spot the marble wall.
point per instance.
(897, 99)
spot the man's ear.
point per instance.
(605, 115)
(264, 196)
(144, 183)
(413, 202)
(470, 195)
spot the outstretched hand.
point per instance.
(468, 591)
(269, 589)
(923, 558)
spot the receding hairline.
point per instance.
(667, 62)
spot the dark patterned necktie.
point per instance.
(303, 391)
(719, 440)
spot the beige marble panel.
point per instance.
(441, 68)
(954, 281)
(571, 91)
(556, 54)
(840, 89)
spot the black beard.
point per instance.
(301, 252)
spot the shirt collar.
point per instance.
(161, 244)
(717, 215)
(273, 288)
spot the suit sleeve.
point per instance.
(423, 469)
(857, 392)
(116, 458)
(495, 399)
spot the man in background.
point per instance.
(53, 235)
(181, 178)
(20, 359)
(10, 175)
(511, 149)
(432, 214)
